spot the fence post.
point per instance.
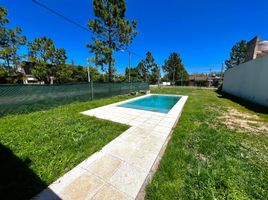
(92, 90)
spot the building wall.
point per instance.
(249, 81)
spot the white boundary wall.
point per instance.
(249, 81)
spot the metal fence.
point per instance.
(27, 98)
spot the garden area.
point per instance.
(217, 150)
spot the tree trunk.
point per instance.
(110, 71)
(173, 76)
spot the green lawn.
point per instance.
(37, 148)
(207, 159)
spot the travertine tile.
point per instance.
(110, 193)
(104, 167)
(128, 179)
(143, 159)
(121, 150)
(84, 187)
(167, 124)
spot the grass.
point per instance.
(207, 160)
(39, 147)
(204, 159)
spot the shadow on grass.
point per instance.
(247, 104)
(17, 180)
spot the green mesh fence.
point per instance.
(27, 98)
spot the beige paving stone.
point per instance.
(141, 132)
(128, 179)
(121, 150)
(104, 167)
(142, 119)
(133, 138)
(135, 123)
(154, 120)
(124, 120)
(84, 187)
(162, 129)
(147, 115)
(110, 193)
(154, 148)
(167, 124)
(143, 159)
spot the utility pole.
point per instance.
(129, 60)
(181, 77)
(222, 68)
(158, 81)
(88, 74)
(90, 81)
(173, 76)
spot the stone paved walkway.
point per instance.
(124, 166)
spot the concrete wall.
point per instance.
(249, 81)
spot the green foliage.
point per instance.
(44, 50)
(121, 78)
(112, 32)
(10, 42)
(10, 76)
(134, 75)
(49, 60)
(53, 141)
(148, 68)
(63, 74)
(207, 160)
(3, 18)
(174, 69)
(79, 73)
(155, 75)
(238, 54)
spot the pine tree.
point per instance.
(174, 69)
(146, 67)
(10, 41)
(112, 32)
(237, 55)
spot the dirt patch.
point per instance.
(242, 121)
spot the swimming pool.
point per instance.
(155, 103)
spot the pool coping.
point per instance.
(162, 134)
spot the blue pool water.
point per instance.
(156, 103)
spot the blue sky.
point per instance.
(203, 32)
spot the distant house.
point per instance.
(205, 80)
(198, 80)
(256, 48)
(26, 68)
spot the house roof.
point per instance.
(198, 78)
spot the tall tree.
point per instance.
(49, 60)
(134, 74)
(174, 69)
(3, 22)
(42, 50)
(238, 54)
(112, 32)
(146, 66)
(10, 41)
(155, 74)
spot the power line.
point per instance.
(136, 54)
(62, 16)
(72, 21)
